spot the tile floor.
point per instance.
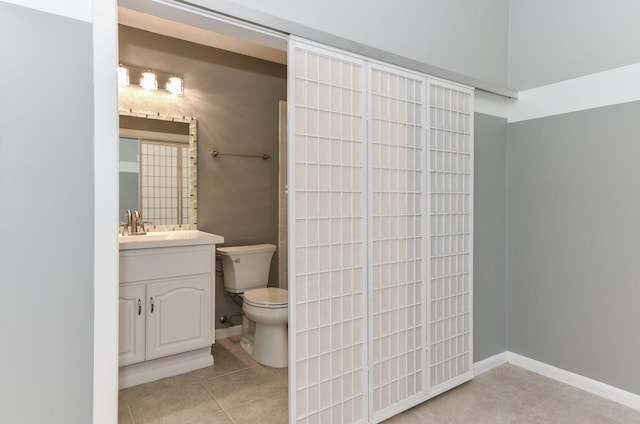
(238, 390)
(235, 390)
(509, 394)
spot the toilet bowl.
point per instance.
(268, 308)
(265, 309)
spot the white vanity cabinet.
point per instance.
(164, 318)
(167, 302)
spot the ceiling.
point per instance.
(269, 50)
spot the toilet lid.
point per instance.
(269, 296)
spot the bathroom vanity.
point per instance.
(167, 302)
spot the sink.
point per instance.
(167, 239)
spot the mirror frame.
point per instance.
(193, 158)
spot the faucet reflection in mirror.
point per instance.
(158, 175)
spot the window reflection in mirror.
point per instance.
(158, 169)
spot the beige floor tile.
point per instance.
(247, 385)
(473, 402)
(272, 409)
(517, 389)
(447, 407)
(231, 345)
(562, 416)
(516, 377)
(407, 417)
(201, 414)
(576, 406)
(238, 390)
(530, 419)
(509, 394)
(134, 393)
(183, 403)
(481, 409)
(603, 406)
(124, 416)
(227, 358)
(218, 418)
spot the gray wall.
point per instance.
(573, 230)
(464, 36)
(551, 40)
(46, 208)
(490, 236)
(235, 100)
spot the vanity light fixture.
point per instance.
(149, 80)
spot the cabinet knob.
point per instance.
(139, 306)
(152, 305)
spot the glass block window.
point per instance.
(164, 185)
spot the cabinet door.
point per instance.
(178, 315)
(131, 324)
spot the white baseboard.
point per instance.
(583, 383)
(145, 372)
(234, 330)
(490, 363)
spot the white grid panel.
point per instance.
(451, 231)
(159, 185)
(398, 251)
(327, 225)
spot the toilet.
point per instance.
(265, 309)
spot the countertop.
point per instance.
(168, 239)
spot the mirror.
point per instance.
(157, 169)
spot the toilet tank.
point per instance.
(246, 267)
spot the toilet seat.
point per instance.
(268, 297)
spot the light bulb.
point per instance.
(149, 81)
(123, 76)
(174, 85)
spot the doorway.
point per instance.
(229, 123)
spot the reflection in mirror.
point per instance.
(158, 169)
